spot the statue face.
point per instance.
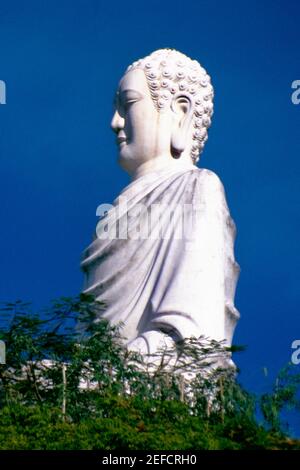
(142, 132)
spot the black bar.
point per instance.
(135, 459)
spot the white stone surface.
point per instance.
(178, 281)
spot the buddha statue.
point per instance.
(162, 259)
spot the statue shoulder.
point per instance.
(209, 180)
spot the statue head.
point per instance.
(164, 105)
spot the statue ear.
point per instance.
(182, 106)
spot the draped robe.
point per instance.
(152, 279)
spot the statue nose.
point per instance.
(117, 122)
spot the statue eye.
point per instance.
(128, 102)
(129, 97)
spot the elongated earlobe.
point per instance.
(177, 144)
(182, 106)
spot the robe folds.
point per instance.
(163, 257)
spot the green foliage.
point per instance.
(79, 388)
(283, 396)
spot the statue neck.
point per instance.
(162, 163)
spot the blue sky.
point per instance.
(61, 62)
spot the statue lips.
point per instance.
(121, 139)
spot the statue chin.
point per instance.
(126, 158)
(126, 164)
